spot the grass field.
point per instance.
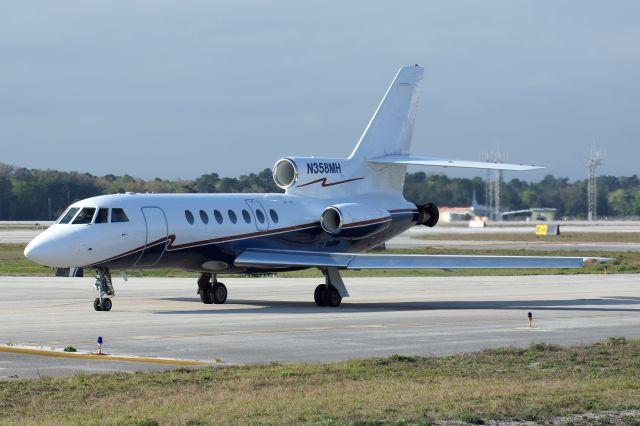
(538, 383)
(13, 263)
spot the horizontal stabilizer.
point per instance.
(285, 258)
(444, 162)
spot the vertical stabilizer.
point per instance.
(389, 132)
(391, 127)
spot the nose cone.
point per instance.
(45, 249)
(39, 251)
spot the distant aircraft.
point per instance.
(332, 210)
(478, 209)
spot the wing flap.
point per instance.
(444, 162)
(285, 258)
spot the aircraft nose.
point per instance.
(41, 251)
(34, 251)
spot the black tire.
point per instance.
(106, 304)
(317, 295)
(96, 304)
(205, 296)
(218, 293)
(331, 297)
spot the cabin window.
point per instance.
(102, 216)
(85, 216)
(232, 216)
(218, 216)
(260, 216)
(189, 217)
(204, 217)
(274, 215)
(118, 215)
(68, 215)
(246, 216)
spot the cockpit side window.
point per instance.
(118, 215)
(68, 215)
(102, 216)
(85, 216)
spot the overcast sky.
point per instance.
(181, 88)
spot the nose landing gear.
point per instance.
(104, 286)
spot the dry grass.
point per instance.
(13, 263)
(538, 383)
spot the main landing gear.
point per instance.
(332, 291)
(210, 290)
(328, 294)
(105, 288)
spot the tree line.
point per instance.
(34, 194)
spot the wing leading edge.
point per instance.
(285, 258)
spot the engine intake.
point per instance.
(354, 221)
(428, 215)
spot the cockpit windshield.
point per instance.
(118, 215)
(102, 216)
(85, 216)
(68, 215)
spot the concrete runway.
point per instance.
(275, 320)
(412, 237)
(17, 236)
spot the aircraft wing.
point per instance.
(444, 162)
(286, 258)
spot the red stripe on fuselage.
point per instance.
(325, 184)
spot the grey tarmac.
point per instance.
(275, 320)
(414, 237)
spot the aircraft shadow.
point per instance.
(604, 304)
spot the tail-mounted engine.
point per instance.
(354, 221)
(428, 215)
(316, 176)
(285, 173)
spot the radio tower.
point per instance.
(595, 159)
(494, 182)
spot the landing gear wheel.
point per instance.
(105, 288)
(218, 293)
(317, 295)
(106, 304)
(204, 288)
(331, 296)
(205, 297)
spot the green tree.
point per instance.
(621, 202)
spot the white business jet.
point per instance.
(333, 209)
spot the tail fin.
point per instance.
(391, 127)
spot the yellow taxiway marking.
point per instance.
(105, 357)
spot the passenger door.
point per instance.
(259, 214)
(156, 240)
